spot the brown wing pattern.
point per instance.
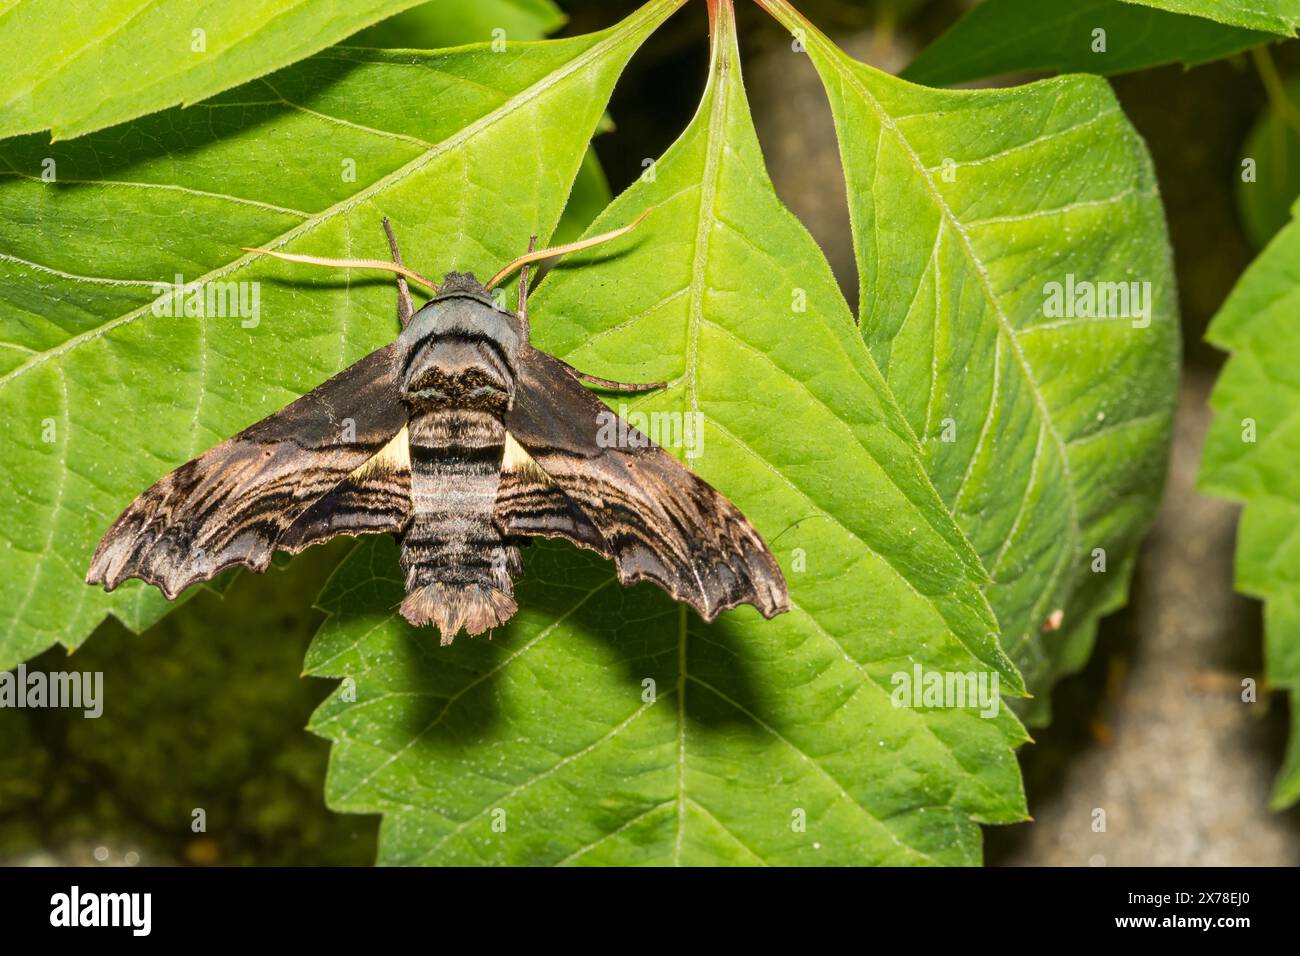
(294, 478)
(636, 505)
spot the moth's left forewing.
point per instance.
(635, 504)
(322, 465)
(375, 497)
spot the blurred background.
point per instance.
(208, 707)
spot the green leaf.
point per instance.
(103, 396)
(1251, 454)
(443, 23)
(1015, 36)
(1275, 16)
(1274, 148)
(447, 23)
(610, 725)
(589, 196)
(1046, 435)
(76, 66)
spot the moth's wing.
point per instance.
(333, 462)
(636, 505)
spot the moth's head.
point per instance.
(460, 349)
(462, 284)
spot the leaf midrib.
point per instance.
(720, 83)
(832, 56)
(720, 87)
(616, 36)
(715, 143)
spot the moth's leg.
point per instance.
(523, 289)
(609, 384)
(405, 308)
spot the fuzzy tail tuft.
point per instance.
(451, 607)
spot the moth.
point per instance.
(464, 442)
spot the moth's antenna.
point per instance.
(541, 254)
(349, 264)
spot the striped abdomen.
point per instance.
(458, 567)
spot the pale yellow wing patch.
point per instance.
(393, 458)
(516, 460)
(396, 457)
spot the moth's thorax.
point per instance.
(461, 351)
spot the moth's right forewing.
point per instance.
(633, 503)
(530, 502)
